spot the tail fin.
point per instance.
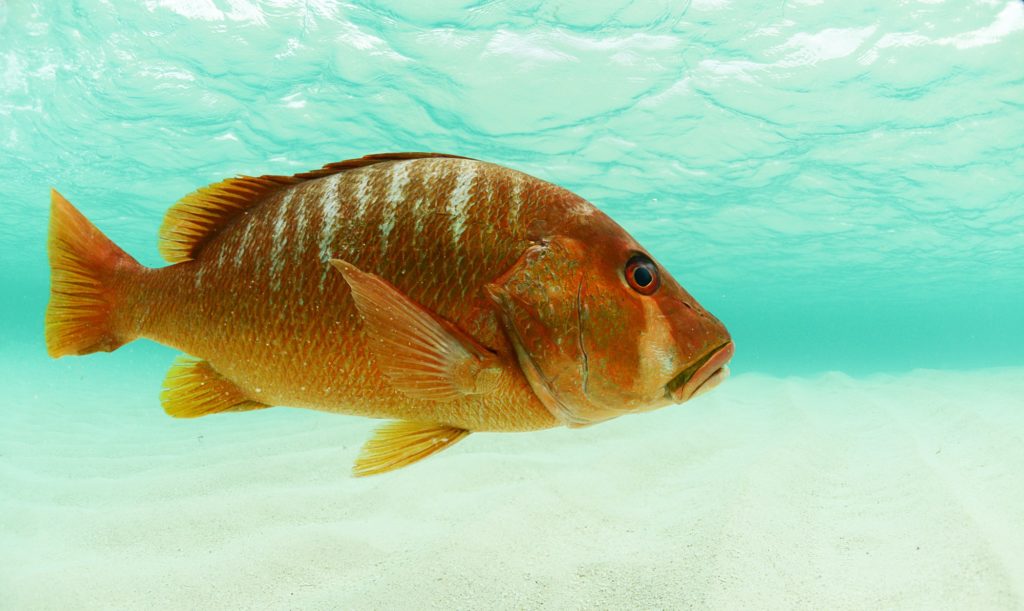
(83, 262)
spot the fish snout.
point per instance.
(702, 375)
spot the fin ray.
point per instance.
(196, 218)
(402, 443)
(193, 388)
(83, 262)
(423, 355)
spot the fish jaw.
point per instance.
(705, 374)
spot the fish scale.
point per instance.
(444, 292)
(261, 372)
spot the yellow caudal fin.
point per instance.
(193, 388)
(83, 263)
(399, 444)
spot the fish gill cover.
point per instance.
(841, 183)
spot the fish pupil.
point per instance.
(643, 276)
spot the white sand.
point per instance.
(828, 492)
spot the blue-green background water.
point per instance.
(841, 183)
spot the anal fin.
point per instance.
(399, 444)
(193, 388)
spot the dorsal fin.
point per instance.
(197, 217)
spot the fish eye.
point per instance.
(642, 275)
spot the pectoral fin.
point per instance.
(423, 355)
(398, 444)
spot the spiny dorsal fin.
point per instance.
(197, 217)
(423, 355)
(193, 388)
(399, 444)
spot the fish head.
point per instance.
(601, 329)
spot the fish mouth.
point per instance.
(704, 374)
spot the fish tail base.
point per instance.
(83, 265)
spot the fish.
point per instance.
(445, 294)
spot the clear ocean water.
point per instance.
(841, 183)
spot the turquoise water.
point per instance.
(841, 183)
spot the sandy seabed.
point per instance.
(825, 492)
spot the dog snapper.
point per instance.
(448, 294)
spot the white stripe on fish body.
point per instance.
(243, 245)
(302, 213)
(426, 175)
(362, 195)
(430, 174)
(197, 279)
(516, 198)
(385, 230)
(417, 229)
(330, 205)
(222, 256)
(399, 172)
(583, 208)
(279, 240)
(458, 201)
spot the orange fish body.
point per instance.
(446, 293)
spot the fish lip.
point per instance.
(703, 375)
